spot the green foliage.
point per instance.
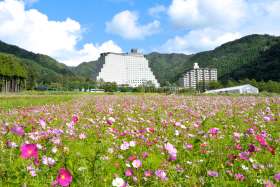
(11, 67)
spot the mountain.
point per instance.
(40, 68)
(251, 54)
(253, 57)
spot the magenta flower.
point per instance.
(75, 119)
(64, 178)
(18, 130)
(261, 140)
(29, 151)
(128, 172)
(239, 177)
(111, 120)
(161, 174)
(212, 173)
(277, 177)
(213, 131)
(252, 148)
(137, 163)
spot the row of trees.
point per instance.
(268, 86)
(12, 74)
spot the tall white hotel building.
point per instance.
(193, 77)
(130, 69)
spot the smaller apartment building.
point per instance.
(198, 77)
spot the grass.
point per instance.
(19, 101)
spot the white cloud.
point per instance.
(210, 23)
(32, 30)
(125, 24)
(198, 40)
(156, 10)
(204, 13)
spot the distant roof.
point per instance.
(233, 88)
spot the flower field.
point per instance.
(142, 140)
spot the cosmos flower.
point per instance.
(128, 172)
(214, 131)
(189, 146)
(244, 155)
(148, 173)
(43, 123)
(125, 146)
(111, 120)
(161, 174)
(75, 119)
(212, 173)
(136, 163)
(239, 177)
(118, 182)
(29, 151)
(172, 151)
(64, 178)
(18, 130)
(277, 177)
(261, 140)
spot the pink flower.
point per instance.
(29, 151)
(189, 146)
(266, 118)
(172, 151)
(148, 173)
(145, 155)
(213, 131)
(125, 146)
(18, 130)
(128, 172)
(239, 177)
(212, 173)
(64, 177)
(244, 155)
(261, 140)
(268, 183)
(137, 163)
(82, 136)
(161, 174)
(277, 177)
(43, 123)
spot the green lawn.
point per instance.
(17, 101)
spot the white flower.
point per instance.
(132, 143)
(244, 167)
(125, 146)
(183, 127)
(177, 133)
(54, 149)
(118, 182)
(39, 146)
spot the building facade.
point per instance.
(131, 69)
(198, 77)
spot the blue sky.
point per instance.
(74, 31)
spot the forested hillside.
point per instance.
(253, 57)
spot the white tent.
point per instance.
(244, 89)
